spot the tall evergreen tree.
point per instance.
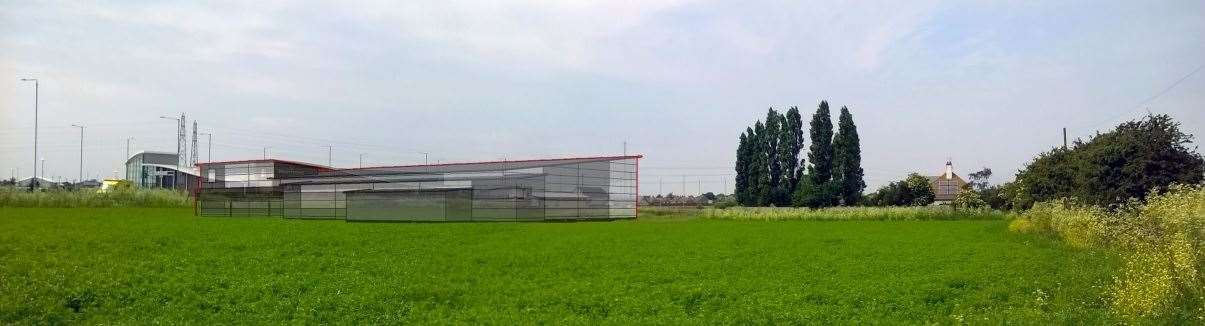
(759, 171)
(794, 163)
(847, 160)
(774, 129)
(820, 153)
(742, 169)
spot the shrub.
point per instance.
(1133, 160)
(968, 199)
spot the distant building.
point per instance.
(88, 184)
(149, 169)
(947, 185)
(40, 182)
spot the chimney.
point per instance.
(949, 170)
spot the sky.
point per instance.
(982, 83)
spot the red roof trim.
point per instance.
(271, 160)
(637, 156)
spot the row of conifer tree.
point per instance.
(770, 171)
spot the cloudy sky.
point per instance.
(984, 83)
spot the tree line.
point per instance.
(770, 171)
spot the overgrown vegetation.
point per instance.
(120, 197)
(847, 214)
(165, 266)
(1162, 242)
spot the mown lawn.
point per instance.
(164, 265)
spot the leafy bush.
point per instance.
(118, 197)
(912, 191)
(968, 199)
(1162, 243)
(1135, 159)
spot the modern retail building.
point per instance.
(149, 169)
(579, 188)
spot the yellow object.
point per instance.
(111, 184)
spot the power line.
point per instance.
(1152, 98)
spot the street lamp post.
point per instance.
(81, 152)
(330, 155)
(209, 141)
(33, 181)
(178, 156)
(127, 169)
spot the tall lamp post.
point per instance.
(81, 152)
(209, 141)
(33, 180)
(127, 168)
(179, 148)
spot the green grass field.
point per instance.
(141, 266)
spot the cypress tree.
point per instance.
(847, 160)
(759, 176)
(742, 169)
(820, 153)
(772, 141)
(792, 163)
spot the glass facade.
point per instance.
(158, 170)
(536, 190)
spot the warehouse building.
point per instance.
(247, 188)
(585, 188)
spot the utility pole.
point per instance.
(33, 181)
(266, 151)
(425, 158)
(81, 152)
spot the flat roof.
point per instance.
(620, 157)
(270, 160)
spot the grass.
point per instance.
(130, 265)
(128, 197)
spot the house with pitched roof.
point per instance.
(946, 185)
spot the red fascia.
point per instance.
(507, 161)
(272, 160)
